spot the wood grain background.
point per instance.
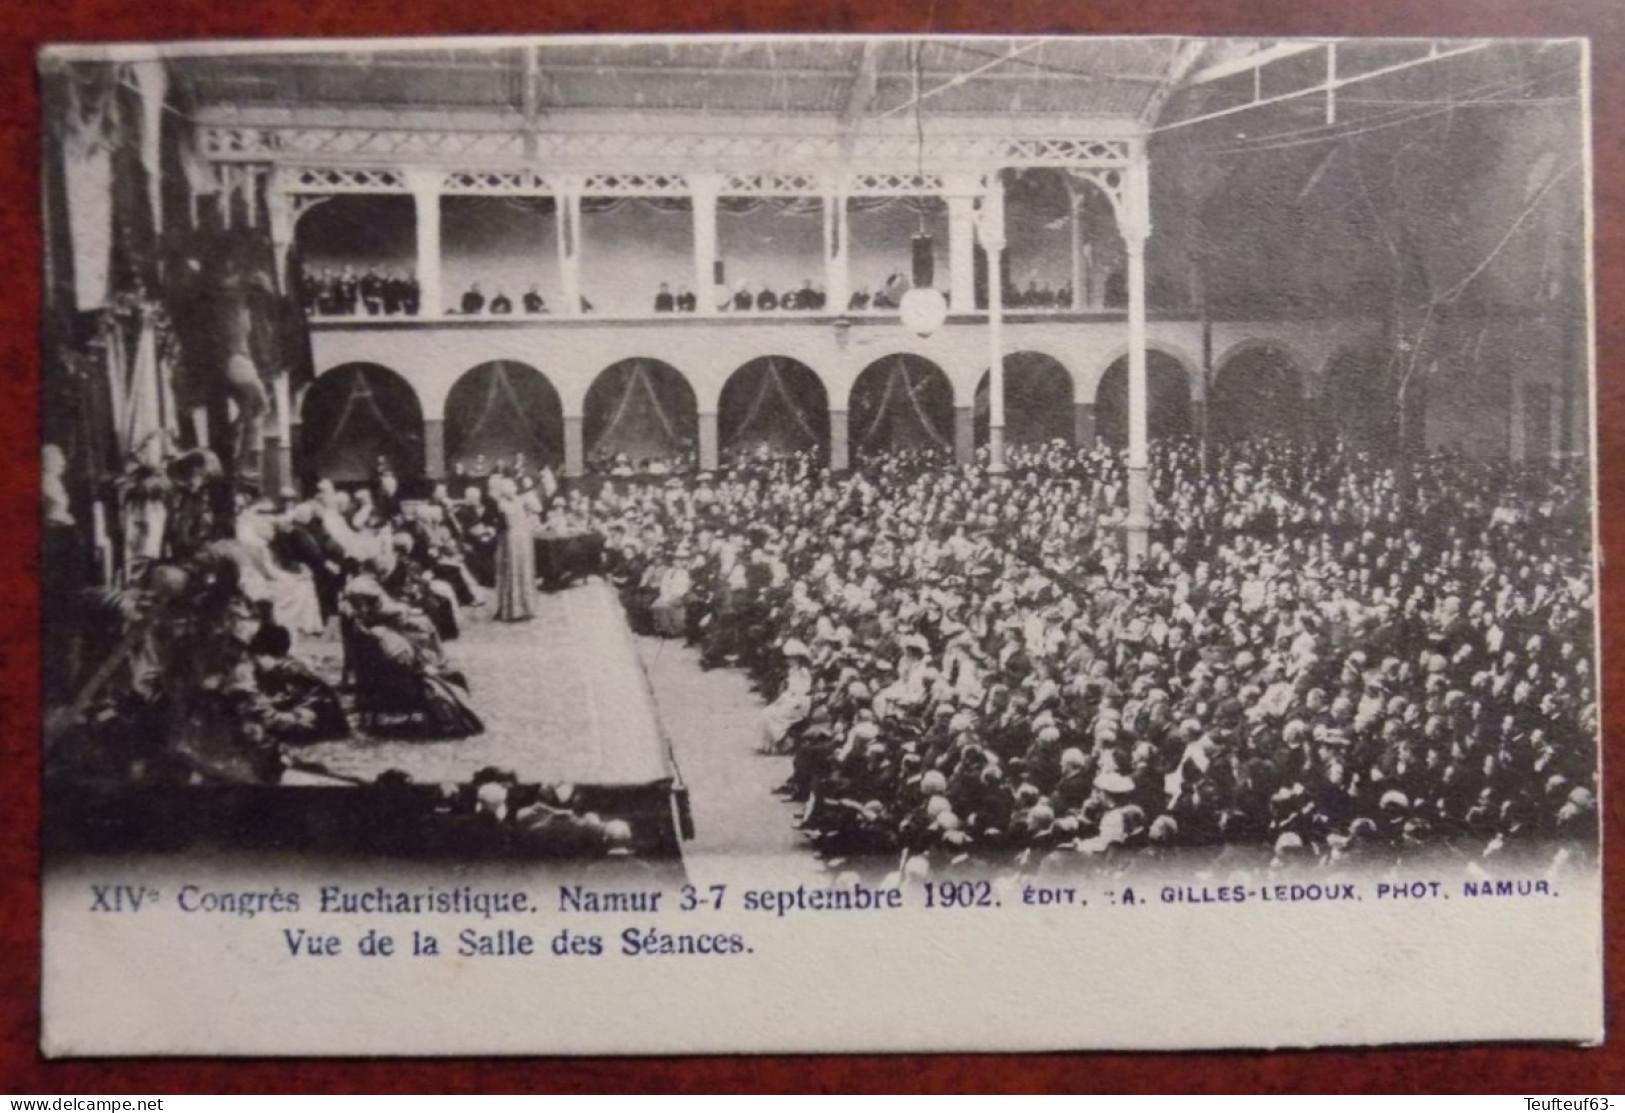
(27, 24)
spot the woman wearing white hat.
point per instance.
(793, 704)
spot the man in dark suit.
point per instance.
(532, 301)
(303, 540)
(473, 300)
(664, 303)
(372, 292)
(394, 292)
(349, 292)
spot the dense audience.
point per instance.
(1318, 660)
(1312, 663)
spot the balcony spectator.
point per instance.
(371, 288)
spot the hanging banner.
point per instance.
(118, 377)
(152, 81)
(87, 158)
(199, 175)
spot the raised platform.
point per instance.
(563, 696)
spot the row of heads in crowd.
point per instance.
(394, 291)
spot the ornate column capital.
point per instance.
(966, 183)
(423, 181)
(704, 184)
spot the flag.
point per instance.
(144, 406)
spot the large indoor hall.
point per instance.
(861, 457)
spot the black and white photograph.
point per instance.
(680, 515)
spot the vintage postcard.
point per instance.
(707, 544)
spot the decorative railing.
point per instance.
(673, 152)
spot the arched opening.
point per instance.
(499, 410)
(901, 403)
(640, 412)
(1257, 392)
(355, 419)
(773, 405)
(1360, 404)
(1037, 401)
(1168, 400)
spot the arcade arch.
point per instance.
(1257, 391)
(1038, 398)
(901, 402)
(643, 410)
(1168, 399)
(773, 403)
(355, 417)
(502, 408)
(1359, 403)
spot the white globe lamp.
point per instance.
(923, 310)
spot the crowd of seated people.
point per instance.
(889, 294)
(374, 292)
(234, 604)
(759, 296)
(495, 815)
(1316, 662)
(681, 300)
(624, 465)
(394, 575)
(370, 292)
(397, 576)
(1038, 294)
(261, 635)
(474, 302)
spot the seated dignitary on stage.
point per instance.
(399, 669)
